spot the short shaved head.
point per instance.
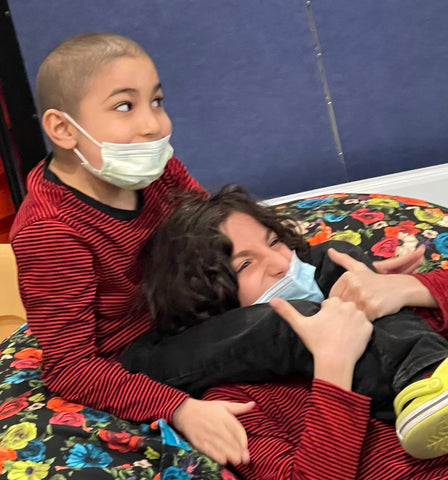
(64, 75)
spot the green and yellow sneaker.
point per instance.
(422, 415)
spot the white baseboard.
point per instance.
(429, 183)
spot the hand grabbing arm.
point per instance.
(404, 264)
(212, 428)
(377, 295)
(336, 336)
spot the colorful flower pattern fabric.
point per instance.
(43, 436)
(383, 225)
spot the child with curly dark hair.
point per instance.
(228, 251)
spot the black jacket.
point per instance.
(253, 344)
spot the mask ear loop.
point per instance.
(78, 127)
(83, 159)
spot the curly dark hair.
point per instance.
(187, 270)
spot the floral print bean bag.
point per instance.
(383, 225)
(42, 436)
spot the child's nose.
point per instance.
(277, 265)
(151, 124)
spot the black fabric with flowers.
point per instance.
(42, 436)
(382, 225)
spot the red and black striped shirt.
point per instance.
(79, 275)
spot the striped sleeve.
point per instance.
(178, 178)
(335, 428)
(437, 283)
(58, 284)
(320, 438)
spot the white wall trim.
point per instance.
(429, 183)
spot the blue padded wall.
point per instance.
(244, 90)
(387, 68)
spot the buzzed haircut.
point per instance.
(63, 76)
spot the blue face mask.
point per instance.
(297, 284)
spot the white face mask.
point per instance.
(128, 165)
(298, 284)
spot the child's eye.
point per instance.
(274, 241)
(124, 107)
(242, 266)
(157, 102)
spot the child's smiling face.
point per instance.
(259, 258)
(123, 104)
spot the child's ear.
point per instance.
(59, 130)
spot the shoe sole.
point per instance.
(428, 421)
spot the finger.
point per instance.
(412, 267)
(339, 288)
(419, 251)
(341, 291)
(223, 445)
(236, 441)
(286, 311)
(393, 265)
(404, 264)
(346, 261)
(216, 454)
(236, 408)
(212, 447)
(421, 248)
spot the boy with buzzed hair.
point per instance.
(91, 205)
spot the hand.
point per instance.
(405, 264)
(375, 294)
(336, 336)
(212, 428)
